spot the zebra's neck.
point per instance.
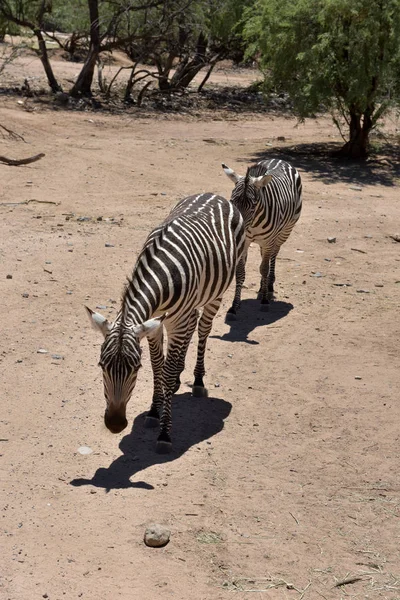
(137, 302)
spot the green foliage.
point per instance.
(344, 54)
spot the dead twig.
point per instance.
(22, 161)
(348, 581)
(357, 250)
(12, 134)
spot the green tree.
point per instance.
(340, 54)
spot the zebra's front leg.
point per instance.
(264, 271)
(181, 362)
(176, 340)
(240, 277)
(157, 363)
(205, 324)
(271, 277)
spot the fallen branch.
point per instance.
(28, 201)
(22, 161)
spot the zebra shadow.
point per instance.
(194, 421)
(249, 317)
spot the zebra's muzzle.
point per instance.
(115, 422)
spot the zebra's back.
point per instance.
(190, 259)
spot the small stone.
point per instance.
(327, 259)
(357, 377)
(363, 291)
(379, 285)
(82, 219)
(109, 245)
(69, 292)
(230, 355)
(99, 219)
(19, 360)
(331, 240)
(57, 356)
(101, 306)
(355, 188)
(156, 536)
(317, 274)
(217, 385)
(42, 351)
(395, 237)
(8, 276)
(48, 262)
(281, 138)
(84, 450)
(25, 295)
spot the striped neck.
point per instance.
(138, 301)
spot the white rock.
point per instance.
(85, 450)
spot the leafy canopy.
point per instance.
(344, 54)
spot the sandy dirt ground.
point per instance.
(284, 483)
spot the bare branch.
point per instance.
(23, 161)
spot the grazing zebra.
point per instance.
(186, 263)
(269, 198)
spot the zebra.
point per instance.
(186, 263)
(269, 198)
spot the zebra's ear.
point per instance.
(262, 181)
(148, 327)
(230, 173)
(98, 321)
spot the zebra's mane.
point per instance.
(246, 183)
(123, 311)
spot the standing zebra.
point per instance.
(269, 198)
(186, 263)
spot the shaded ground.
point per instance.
(285, 480)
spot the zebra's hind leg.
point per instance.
(204, 328)
(240, 277)
(157, 362)
(181, 363)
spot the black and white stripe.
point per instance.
(186, 263)
(269, 198)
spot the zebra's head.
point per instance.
(120, 361)
(245, 193)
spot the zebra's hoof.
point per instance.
(199, 392)
(151, 422)
(230, 317)
(163, 447)
(264, 307)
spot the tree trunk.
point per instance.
(360, 127)
(44, 57)
(83, 85)
(187, 70)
